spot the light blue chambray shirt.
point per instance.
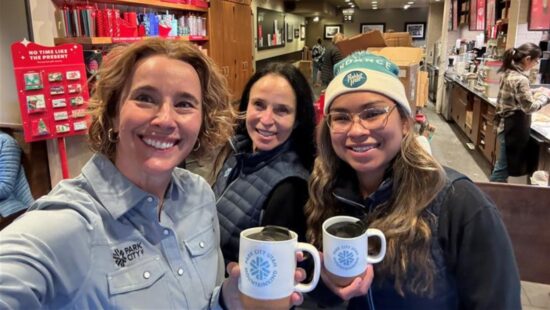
(95, 242)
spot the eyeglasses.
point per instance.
(370, 118)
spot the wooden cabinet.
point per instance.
(459, 102)
(486, 141)
(231, 41)
(472, 116)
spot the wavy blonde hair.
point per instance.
(118, 67)
(417, 179)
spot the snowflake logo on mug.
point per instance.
(345, 257)
(261, 268)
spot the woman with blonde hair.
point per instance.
(132, 230)
(447, 247)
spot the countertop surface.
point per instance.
(540, 120)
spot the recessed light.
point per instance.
(410, 2)
(374, 2)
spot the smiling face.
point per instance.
(368, 152)
(271, 112)
(159, 119)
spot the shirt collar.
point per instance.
(113, 190)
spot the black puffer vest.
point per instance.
(244, 184)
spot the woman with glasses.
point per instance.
(447, 247)
(515, 104)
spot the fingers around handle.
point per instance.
(308, 287)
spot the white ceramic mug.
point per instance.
(347, 258)
(267, 270)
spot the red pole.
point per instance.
(63, 157)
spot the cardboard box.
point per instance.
(408, 75)
(398, 39)
(305, 67)
(399, 54)
(422, 90)
(361, 42)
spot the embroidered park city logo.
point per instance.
(260, 268)
(345, 257)
(127, 254)
(354, 79)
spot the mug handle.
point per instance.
(308, 287)
(373, 232)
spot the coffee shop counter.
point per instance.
(474, 112)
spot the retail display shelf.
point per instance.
(147, 3)
(111, 40)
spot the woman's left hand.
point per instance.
(230, 288)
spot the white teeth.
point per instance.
(360, 149)
(158, 144)
(265, 133)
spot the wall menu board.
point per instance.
(477, 15)
(490, 19)
(539, 15)
(52, 90)
(455, 14)
(271, 29)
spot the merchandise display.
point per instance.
(46, 78)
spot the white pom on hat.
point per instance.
(363, 71)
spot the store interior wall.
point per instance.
(394, 19)
(13, 28)
(434, 30)
(296, 20)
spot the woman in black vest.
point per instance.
(263, 180)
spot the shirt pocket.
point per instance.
(203, 250)
(139, 284)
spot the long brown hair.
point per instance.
(218, 115)
(417, 179)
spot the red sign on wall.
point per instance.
(52, 89)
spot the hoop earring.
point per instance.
(197, 147)
(112, 136)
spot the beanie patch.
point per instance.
(354, 79)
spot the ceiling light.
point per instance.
(348, 0)
(410, 2)
(352, 5)
(406, 6)
(374, 2)
(316, 18)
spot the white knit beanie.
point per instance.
(362, 71)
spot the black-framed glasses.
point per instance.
(369, 118)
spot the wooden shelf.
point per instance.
(84, 40)
(141, 3)
(109, 40)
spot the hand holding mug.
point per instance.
(358, 287)
(267, 261)
(345, 248)
(232, 296)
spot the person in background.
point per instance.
(266, 165)
(332, 56)
(132, 231)
(15, 194)
(447, 247)
(516, 101)
(317, 53)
